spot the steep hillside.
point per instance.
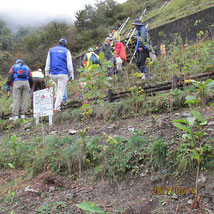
(147, 150)
(147, 153)
(160, 12)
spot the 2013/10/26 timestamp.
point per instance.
(174, 190)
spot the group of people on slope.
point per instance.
(144, 49)
(117, 58)
(114, 51)
(59, 68)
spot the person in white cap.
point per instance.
(38, 83)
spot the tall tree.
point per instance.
(108, 12)
(5, 36)
(85, 19)
(6, 46)
(23, 31)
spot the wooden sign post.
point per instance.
(43, 104)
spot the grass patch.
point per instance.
(134, 106)
(103, 156)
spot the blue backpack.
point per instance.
(21, 71)
(94, 59)
(22, 74)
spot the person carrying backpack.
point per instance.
(120, 55)
(21, 78)
(142, 47)
(115, 35)
(90, 57)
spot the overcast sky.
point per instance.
(35, 12)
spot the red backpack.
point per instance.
(122, 52)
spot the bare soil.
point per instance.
(49, 193)
(137, 194)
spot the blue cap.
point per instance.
(63, 41)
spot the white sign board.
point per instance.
(43, 103)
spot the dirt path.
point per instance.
(49, 193)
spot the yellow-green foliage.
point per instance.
(4, 102)
(177, 9)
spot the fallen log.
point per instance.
(149, 90)
(152, 89)
(167, 85)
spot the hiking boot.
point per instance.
(14, 118)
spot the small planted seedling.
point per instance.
(90, 207)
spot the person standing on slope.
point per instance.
(106, 49)
(59, 64)
(142, 47)
(90, 57)
(21, 78)
(38, 83)
(115, 34)
(120, 55)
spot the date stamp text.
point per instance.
(174, 191)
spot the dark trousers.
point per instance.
(38, 84)
(140, 61)
(111, 69)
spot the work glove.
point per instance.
(71, 76)
(119, 62)
(8, 87)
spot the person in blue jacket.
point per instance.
(20, 77)
(59, 67)
(142, 47)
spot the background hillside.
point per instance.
(92, 25)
